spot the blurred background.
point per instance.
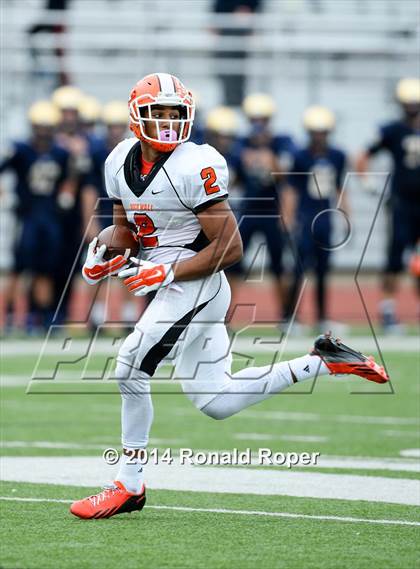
(325, 93)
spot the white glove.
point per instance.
(146, 276)
(96, 268)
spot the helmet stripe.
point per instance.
(166, 83)
(159, 83)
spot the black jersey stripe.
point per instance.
(160, 350)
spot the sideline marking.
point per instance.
(325, 461)
(93, 471)
(238, 512)
(101, 346)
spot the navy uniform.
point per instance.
(41, 168)
(259, 211)
(95, 178)
(76, 138)
(402, 141)
(115, 118)
(260, 154)
(39, 176)
(316, 176)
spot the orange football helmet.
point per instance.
(167, 90)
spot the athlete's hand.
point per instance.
(96, 268)
(146, 276)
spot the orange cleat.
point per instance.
(340, 359)
(113, 500)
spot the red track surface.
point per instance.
(344, 302)
(257, 303)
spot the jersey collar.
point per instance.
(134, 179)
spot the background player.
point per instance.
(40, 167)
(260, 154)
(90, 112)
(401, 138)
(72, 136)
(98, 208)
(222, 126)
(316, 178)
(176, 194)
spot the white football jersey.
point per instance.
(164, 204)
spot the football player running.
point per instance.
(175, 192)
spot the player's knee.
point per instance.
(132, 381)
(130, 354)
(215, 412)
(123, 370)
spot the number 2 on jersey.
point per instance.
(145, 227)
(209, 177)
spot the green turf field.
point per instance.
(365, 434)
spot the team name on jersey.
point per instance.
(140, 206)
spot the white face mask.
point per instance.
(179, 129)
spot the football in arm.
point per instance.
(119, 240)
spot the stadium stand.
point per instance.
(301, 51)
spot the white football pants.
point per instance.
(187, 328)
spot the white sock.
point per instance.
(136, 420)
(131, 473)
(308, 367)
(253, 385)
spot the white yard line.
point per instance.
(90, 471)
(14, 380)
(409, 463)
(236, 512)
(44, 377)
(271, 437)
(367, 463)
(410, 453)
(315, 417)
(260, 344)
(81, 446)
(359, 419)
(402, 434)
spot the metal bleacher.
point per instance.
(346, 54)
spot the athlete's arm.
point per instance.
(119, 216)
(288, 199)
(225, 247)
(380, 143)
